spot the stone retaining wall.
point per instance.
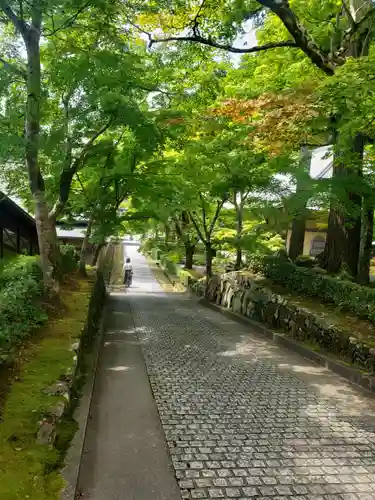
(69, 384)
(245, 295)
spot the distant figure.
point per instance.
(128, 272)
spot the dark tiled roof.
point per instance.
(9, 208)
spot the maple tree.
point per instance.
(328, 33)
(206, 133)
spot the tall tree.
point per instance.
(88, 86)
(29, 25)
(345, 31)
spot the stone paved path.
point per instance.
(244, 418)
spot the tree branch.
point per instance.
(179, 231)
(87, 146)
(196, 226)
(19, 24)
(155, 89)
(69, 22)
(82, 187)
(12, 68)
(366, 16)
(234, 201)
(195, 22)
(211, 43)
(204, 218)
(20, 2)
(356, 27)
(302, 39)
(68, 173)
(348, 13)
(133, 164)
(301, 36)
(213, 222)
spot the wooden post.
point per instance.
(18, 244)
(30, 244)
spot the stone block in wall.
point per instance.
(237, 302)
(245, 295)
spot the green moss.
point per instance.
(192, 273)
(29, 470)
(341, 293)
(329, 314)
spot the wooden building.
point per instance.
(18, 233)
(73, 234)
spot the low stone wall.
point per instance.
(245, 295)
(68, 386)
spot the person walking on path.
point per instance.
(128, 272)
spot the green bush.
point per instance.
(17, 268)
(155, 253)
(176, 255)
(200, 259)
(69, 258)
(21, 287)
(147, 245)
(345, 294)
(169, 266)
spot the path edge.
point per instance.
(351, 374)
(73, 458)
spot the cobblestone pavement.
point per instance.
(244, 418)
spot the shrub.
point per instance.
(147, 245)
(21, 287)
(176, 255)
(69, 258)
(255, 262)
(170, 266)
(155, 254)
(345, 294)
(18, 267)
(200, 259)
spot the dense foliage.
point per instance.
(69, 258)
(315, 283)
(142, 106)
(21, 287)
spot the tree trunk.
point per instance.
(209, 257)
(45, 227)
(97, 253)
(297, 237)
(167, 233)
(56, 254)
(366, 242)
(331, 257)
(352, 234)
(344, 233)
(353, 222)
(47, 243)
(84, 247)
(360, 43)
(344, 221)
(239, 228)
(189, 255)
(238, 263)
(343, 238)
